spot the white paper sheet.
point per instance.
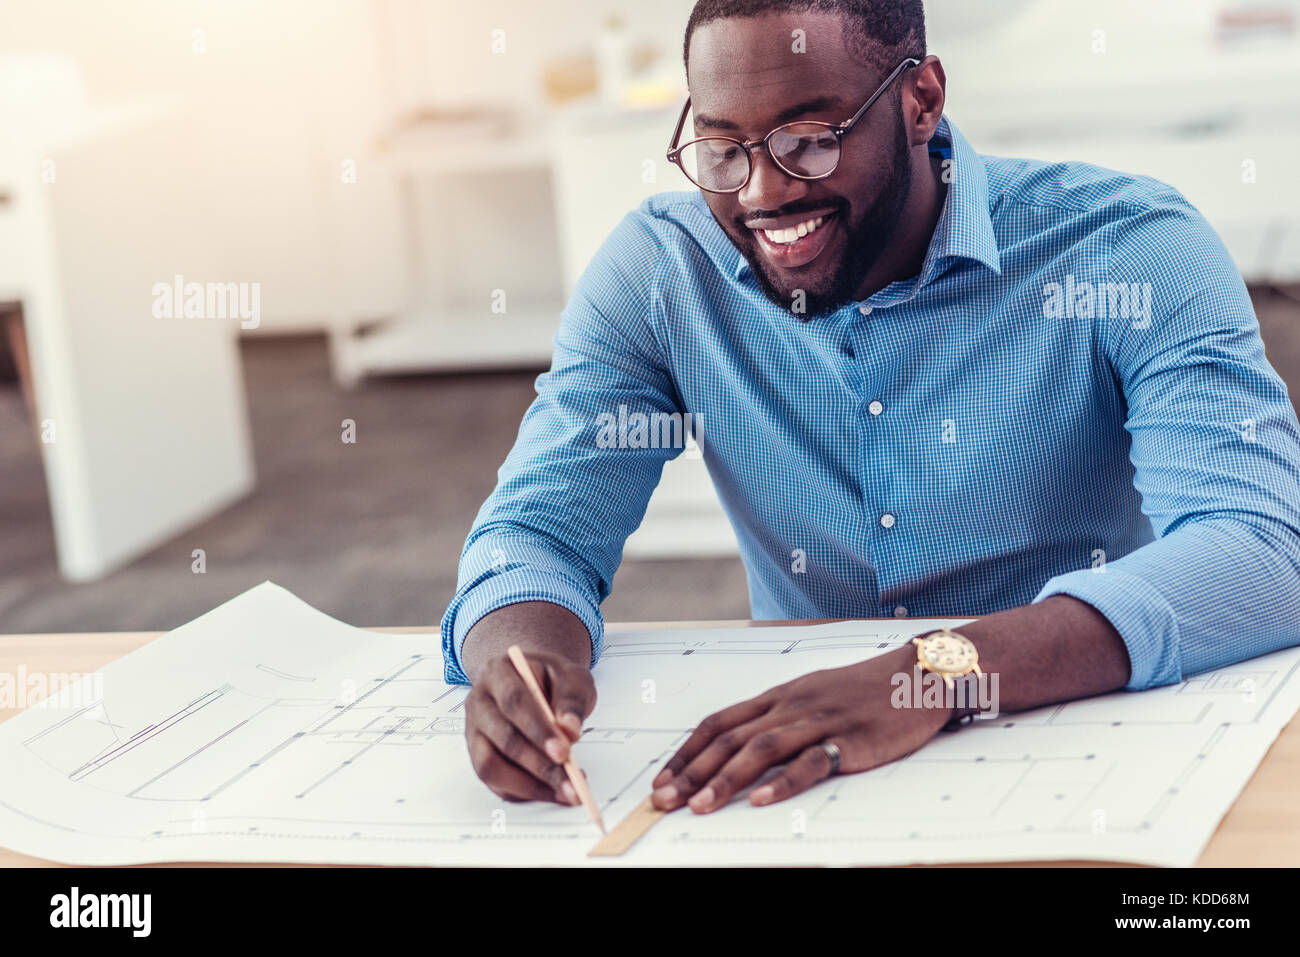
(268, 731)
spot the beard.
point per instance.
(865, 241)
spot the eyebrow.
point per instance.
(794, 112)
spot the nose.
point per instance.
(769, 186)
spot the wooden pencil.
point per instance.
(570, 766)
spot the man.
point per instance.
(930, 383)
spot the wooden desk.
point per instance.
(1262, 829)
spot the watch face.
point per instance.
(948, 653)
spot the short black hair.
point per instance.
(880, 31)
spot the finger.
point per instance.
(700, 769)
(717, 723)
(521, 752)
(811, 766)
(514, 700)
(503, 778)
(764, 750)
(572, 694)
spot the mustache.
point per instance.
(837, 204)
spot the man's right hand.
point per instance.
(515, 750)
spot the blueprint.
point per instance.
(266, 730)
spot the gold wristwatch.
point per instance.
(952, 655)
(947, 653)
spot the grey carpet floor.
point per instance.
(369, 533)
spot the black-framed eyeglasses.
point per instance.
(805, 149)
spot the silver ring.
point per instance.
(833, 753)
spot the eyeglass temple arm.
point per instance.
(843, 128)
(849, 123)
(677, 133)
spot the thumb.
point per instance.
(573, 696)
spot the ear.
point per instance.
(923, 96)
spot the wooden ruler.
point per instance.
(628, 831)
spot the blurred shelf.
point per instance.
(429, 151)
(700, 532)
(448, 340)
(684, 518)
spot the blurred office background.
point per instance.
(414, 186)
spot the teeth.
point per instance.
(793, 233)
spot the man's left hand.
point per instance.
(849, 707)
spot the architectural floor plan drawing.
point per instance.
(267, 731)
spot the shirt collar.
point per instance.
(964, 229)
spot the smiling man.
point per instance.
(931, 383)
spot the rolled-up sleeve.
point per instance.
(1215, 447)
(570, 493)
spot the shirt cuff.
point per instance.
(1140, 613)
(507, 588)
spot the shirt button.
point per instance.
(875, 408)
(864, 309)
(887, 520)
(900, 612)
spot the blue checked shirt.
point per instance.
(1070, 397)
